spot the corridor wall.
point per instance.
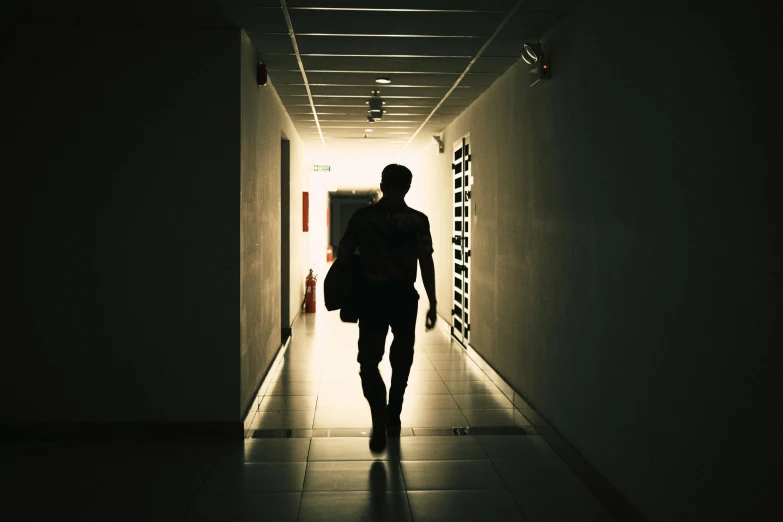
(264, 122)
(141, 228)
(619, 250)
(120, 295)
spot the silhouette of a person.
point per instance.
(391, 238)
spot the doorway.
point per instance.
(463, 182)
(285, 239)
(342, 205)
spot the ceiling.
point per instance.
(423, 46)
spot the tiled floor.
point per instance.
(323, 469)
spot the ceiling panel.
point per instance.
(346, 44)
(368, 79)
(359, 102)
(529, 24)
(396, 22)
(384, 65)
(389, 92)
(502, 5)
(271, 43)
(494, 64)
(259, 20)
(387, 45)
(280, 62)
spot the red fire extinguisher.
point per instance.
(329, 254)
(310, 292)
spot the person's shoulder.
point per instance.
(363, 212)
(420, 215)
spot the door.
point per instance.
(285, 239)
(463, 180)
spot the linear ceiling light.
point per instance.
(465, 72)
(301, 67)
(383, 79)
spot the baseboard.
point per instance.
(252, 405)
(611, 497)
(86, 431)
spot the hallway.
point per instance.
(306, 455)
(501, 470)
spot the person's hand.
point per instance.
(432, 317)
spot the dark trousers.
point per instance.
(387, 306)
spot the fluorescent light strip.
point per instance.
(467, 69)
(361, 96)
(463, 36)
(391, 10)
(340, 55)
(301, 66)
(430, 73)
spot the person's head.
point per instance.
(395, 181)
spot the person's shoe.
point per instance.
(393, 424)
(378, 437)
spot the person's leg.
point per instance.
(372, 341)
(403, 324)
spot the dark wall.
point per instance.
(120, 272)
(264, 123)
(622, 269)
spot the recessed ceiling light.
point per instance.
(367, 130)
(383, 79)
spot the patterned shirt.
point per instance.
(390, 237)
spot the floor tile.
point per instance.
(271, 450)
(341, 402)
(547, 504)
(245, 507)
(465, 506)
(462, 387)
(516, 446)
(482, 401)
(295, 376)
(465, 364)
(365, 475)
(423, 376)
(425, 401)
(283, 419)
(495, 417)
(441, 448)
(432, 418)
(231, 477)
(153, 473)
(450, 474)
(447, 356)
(288, 402)
(536, 473)
(463, 375)
(358, 506)
(356, 418)
(428, 387)
(293, 388)
(348, 448)
(135, 508)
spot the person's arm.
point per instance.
(428, 278)
(424, 240)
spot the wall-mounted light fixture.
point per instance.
(261, 75)
(534, 56)
(439, 141)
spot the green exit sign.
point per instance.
(322, 168)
